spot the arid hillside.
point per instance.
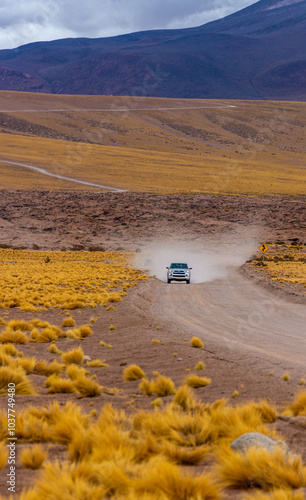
(153, 145)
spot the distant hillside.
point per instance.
(256, 53)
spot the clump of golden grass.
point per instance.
(102, 343)
(195, 381)
(74, 371)
(68, 322)
(200, 366)
(3, 322)
(146, 387)
(196, 342)
(286, 377)
(34, 457)
(112, 327)
(163, 386)
(42, 367)
(110, 308)
(17, 376)
(155, 341)
(13, 336)
(183, 455)
(9, 349)
(19, 324)
(157, 402)
(75, 356)
(184, 398)
(298, 407)
(46, 335)
(235, 394)
(3, 455)
(258, 467)
(27, 364)
(302, 381)
(53, 349)
(96, 363)
(58, 385)
(85, 331)
(277, 494)
(87, 388)
(133, 372)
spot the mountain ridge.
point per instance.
(256, 53)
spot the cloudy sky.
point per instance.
(25, 21)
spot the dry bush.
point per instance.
(133, 372)
(53, 349)
(200, 366)
(196, 342)
(80, 445)
(96, 363)
(27, 364)
(163, 478)
(75, 356)
(16, 376)
(3, 455)
(13, 337)
(19, 324)
(87, 388)
(146, 386)
(195, 381)
(44, 368)
(59, 385)
(9, 349)
(278, 494)
(184, 455)
(2, 322)
(74, 371)
(68, 322)
(34, 457)
(266, 412)
(260, 468)
(47, 335)
(184, 398)
(298, 407)
(85, 331)
(163, 386)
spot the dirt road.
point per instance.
(249, 323)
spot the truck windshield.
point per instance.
(178, 266)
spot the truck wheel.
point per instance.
(188, 282)
(168, 281)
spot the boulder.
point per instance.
(251, 439)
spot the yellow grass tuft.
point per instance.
(34, 457)
(96, 363)
(157, 402)
(75, 356)
(68, 322)
(235, 394)
(85, 331)
(19, 324)
(112, 327)
(44, 368)
(200, 366)
(13, 336)
(278, 494)
(302, 381)
(133, 372)
(74, 371)
(196, 342)
(58, 385)
(183, 455)
(184, 398)
(257, 467)
(298, 407)
(163, 386)
(146, 386)
(3, 455)
(10, 349)
(87, 388)
(16, 376)
(53, 349)
(47, 335)
(286, 377)
(102, 343)
(27, 364)
(195, 381)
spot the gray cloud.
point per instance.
(26, 21)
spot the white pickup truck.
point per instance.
(178, 271)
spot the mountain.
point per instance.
(256, 53)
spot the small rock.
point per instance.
(87, 358)
(123, 364)
(258, 440)
(180, 359)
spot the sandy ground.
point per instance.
(251, 335)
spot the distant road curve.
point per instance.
(70, 179)
(114, 110)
